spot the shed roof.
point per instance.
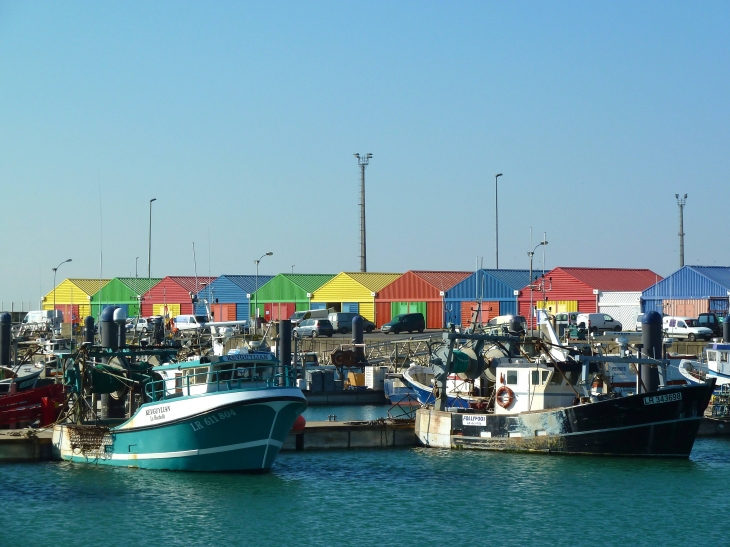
(614, 279)
(139, 285)
(89, 286)
(516, 279)
(717, 274)
(443, 281)
(372, 281)
(247, 283)
(308, 282)
(189, 282)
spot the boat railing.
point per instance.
(256, 375)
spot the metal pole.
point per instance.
(54, 290)
(496, 219)
(149, 243)
(681, 202)
(256, 294)
(363, 162)
(135, 267)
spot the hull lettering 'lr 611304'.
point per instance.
(560, 402)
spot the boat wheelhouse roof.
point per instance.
(719, 347)
(252, 357)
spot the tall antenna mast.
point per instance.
(362, 161)
(681, 201)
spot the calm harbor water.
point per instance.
(375, 497)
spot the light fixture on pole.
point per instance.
(532, 286)
(149, 242)
(496, 219)
(363, 162)
(54, 290)
(256, 294)
(681, 202)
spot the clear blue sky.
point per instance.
(241, 118)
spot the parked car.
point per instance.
(598, 322)
(639, 317)
(685, 327)
(498, 325)
(711, 321)
(342, 322)
(566, 318)
(410, 322)
(313, 328)
(140, 324)
(298, 316)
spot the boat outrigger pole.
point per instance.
(468, 361)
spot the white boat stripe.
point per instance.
(600, 430)
(199, 452)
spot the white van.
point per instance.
(598, 322)
(685, 327)
(190, 322)
(39, 319)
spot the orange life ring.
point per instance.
(505, 397)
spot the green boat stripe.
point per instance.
(199, 452)
(219, 408)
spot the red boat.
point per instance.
(42, 400)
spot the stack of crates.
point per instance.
(375, 377)
(315, 380)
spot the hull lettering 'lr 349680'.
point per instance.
(558, 405)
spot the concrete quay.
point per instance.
(30, 445)
(346, 397)
(349, 435)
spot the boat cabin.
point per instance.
(211, 374)
(718, 359)
(523, 386)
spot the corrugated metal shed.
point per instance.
(416, 290)
(71, 293)
(231, 289)
(122, 291)
(173, 292)
(291, 288)
(580, 289)
(614, 279)
(494, 286)
(354, 287)
(708, 283)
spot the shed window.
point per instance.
(511, 377)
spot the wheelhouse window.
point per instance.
(539, 377)
(198, 375)
(556, 378)
(225, 371)
(511, 377)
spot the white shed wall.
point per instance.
(622, 306)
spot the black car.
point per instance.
(711, 321)
(410, 322)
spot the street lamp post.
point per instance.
(135, 266)
(149, 242)
(256, 294)
(496, 218)
(54, 290)
(531, 254)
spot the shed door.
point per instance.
(166, 310)
(70, 312)
(490, 310)
(223, 312)
(397, 308)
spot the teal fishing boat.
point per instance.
(214, 413)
